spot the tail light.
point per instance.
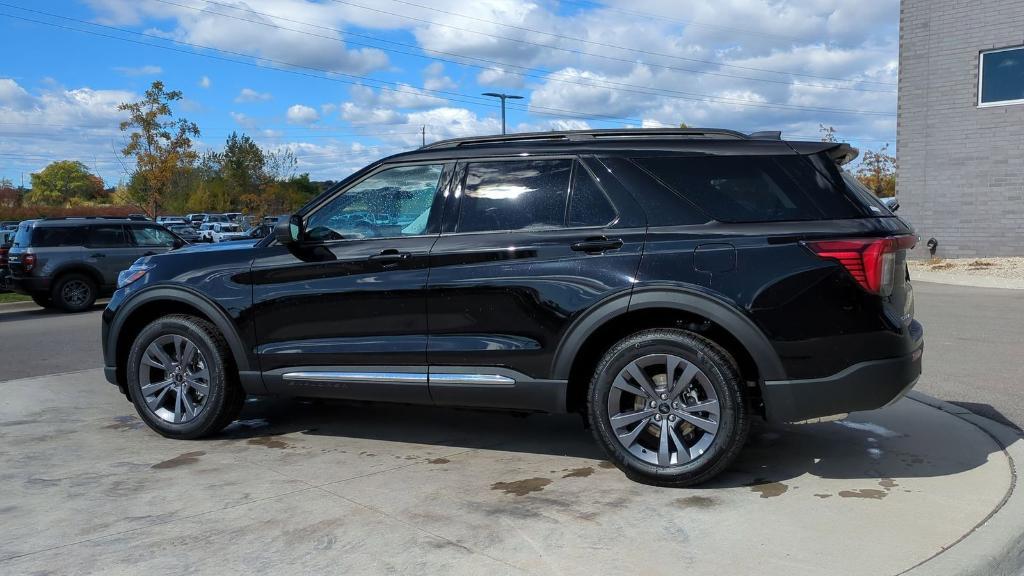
(871, 261)
(28, 262)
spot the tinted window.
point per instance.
(48, 237)
(110, 236)
(588, 205)
(391, 203)
(1002, 76)
(151, 236)
(755, 188)
(516, 195)
(22, 236)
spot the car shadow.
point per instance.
(990, 412)
(41, 312)
(859, 448)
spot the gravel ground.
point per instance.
(1005, 272)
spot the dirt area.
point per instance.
(1005, 272)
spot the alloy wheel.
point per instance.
(664, 410)
(174, 378)
(75, 293)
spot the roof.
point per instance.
(79, 220)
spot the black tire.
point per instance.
(43, 301)
(74, 292)
(721, 374)
(225, 398)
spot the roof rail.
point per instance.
(589, 135)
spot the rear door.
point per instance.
(529, 245)
(109, 250)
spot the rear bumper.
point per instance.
(30, 286)
(863, 386)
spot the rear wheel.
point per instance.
(667, 407)
(181, 380)
(74, 292)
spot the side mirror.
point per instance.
(289, 230)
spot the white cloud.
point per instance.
(250, 95)
(402, 96)
(147, 70)
(243, 120)
(300, 114)
(205, 82)
(497, 76)
(435, 79)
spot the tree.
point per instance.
(828, 133)
(62, 182)
(10, 197)
(877, 171)
(243, 166)
(160, 144)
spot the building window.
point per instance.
(1001, 80)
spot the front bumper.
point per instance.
(863, 386)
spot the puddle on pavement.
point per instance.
(606, 465)
(439, 461)
(866, 493)
(125, 423)
(179, 460)
(522, 487)
(768, 489)
(702, 502)
(579, 472)
(268, 442)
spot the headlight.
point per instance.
(126, 277)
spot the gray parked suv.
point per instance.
(69, 262)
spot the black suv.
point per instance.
(669, 285)
(69, 262)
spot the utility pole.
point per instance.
(503, 98)
(423, 134)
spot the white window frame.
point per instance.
(981, 77)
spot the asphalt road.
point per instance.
(974, 346)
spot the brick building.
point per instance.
(960, 134)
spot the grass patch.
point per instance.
(7, 297)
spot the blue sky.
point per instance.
(342, 82)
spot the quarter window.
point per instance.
(391, 203)
(588, 206)
(515, 195)
(44, 237)
(1002, 77)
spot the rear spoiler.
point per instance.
(843, 154)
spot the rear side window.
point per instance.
(515, 195)
(151, 236)
(588, 205)
(52, 237)
(755, 188)
(23, 236)
(111, 236)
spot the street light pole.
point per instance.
(503, 98)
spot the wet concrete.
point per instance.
(333, 488)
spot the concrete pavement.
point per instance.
(304, 488)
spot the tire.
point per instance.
(698, 444)
(74, 293)
(203, 378)
(43, 301)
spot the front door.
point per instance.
(345, 309)
(109, 250)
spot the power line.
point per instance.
(632, 88)
(636, 50)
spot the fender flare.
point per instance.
(683, 297)
(80, 268)
(212, 311)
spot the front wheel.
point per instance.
(667, 406)
(181, 380)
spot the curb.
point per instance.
(18, 306)
(995, 547)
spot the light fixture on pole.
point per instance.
(503, 98)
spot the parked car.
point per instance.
(670, 285)
(216, 219)
(69, 262)
(186, 232)
(220, 232)
(234, 217)
(9, 224)
(195, 219)
(259, 232)
(6, 239)
(169, 221)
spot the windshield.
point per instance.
(229, 228)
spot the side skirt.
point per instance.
(471, 386)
